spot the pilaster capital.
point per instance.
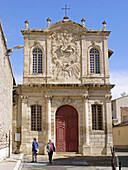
(85, 96)
(108, 97)
(48, 97)
(24, 99)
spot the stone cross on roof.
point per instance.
(65, 9)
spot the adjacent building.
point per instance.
(66, 93)
(120, 131)
(6, 98)
(117, 104)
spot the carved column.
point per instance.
(24, 100)
(48, 99)
(85, 118)
(109, 122)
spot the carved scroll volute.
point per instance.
(24, 99)
(108, 97)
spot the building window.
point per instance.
(94, 61)
(36, 118)
(37, 60)
(97, 117)
(124, 119)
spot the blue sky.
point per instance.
(13, 13)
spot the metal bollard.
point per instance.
(119, 165)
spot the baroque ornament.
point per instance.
(66, 100)
(65, 55)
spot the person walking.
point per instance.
(50, 150)
(35, 147)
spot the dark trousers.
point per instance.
(34, 154)
(50, 156)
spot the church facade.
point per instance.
(66, 93)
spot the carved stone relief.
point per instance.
(65, 55)
(66, 100)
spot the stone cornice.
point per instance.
(36, 32)
(98, 86)
(95, 33)
(81, 33)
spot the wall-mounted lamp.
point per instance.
(11, 49)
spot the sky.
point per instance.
(13, 13)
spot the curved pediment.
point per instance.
(62, 25)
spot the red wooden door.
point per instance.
(66, 129)
(60, 133)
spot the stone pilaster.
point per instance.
(24, 124)
(85, 114)
(48, 57)
(109, 123)
(26, 61)
(106, 62)
(48, 101)
(86, 147)
(84, 58)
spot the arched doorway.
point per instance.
(66, 129)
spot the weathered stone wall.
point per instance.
(37, 95)
(6, 88)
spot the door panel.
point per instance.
(60, 134)
(66, 129)
(72, 135)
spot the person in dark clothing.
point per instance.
(35, 147)
(50, 150)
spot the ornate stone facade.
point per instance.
(65, 82)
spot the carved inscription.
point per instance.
(65, 55)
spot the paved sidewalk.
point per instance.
(68, 162)
(63, 162)
(74, 162)
(12, 163)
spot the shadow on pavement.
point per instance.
(103, 161)
(87, 160)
